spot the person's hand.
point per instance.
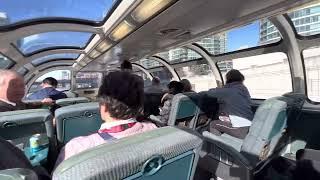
(47, 101)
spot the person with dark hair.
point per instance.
(126, 66)
(235, 114)
(174, 88)
(48, 90)
(121, 102)
(155, 86)
(186, 85)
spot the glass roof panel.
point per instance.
(149, 63)
(306, 19)
(5, 62)
(49, 40)
(51, 57)
(13, 11)
(251, 35)
(179, 55)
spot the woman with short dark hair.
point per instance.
(121, 102)
(235, 112)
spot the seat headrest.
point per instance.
(125, 157)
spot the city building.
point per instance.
(306, 22)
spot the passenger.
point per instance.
(48, 90)
(174, 88)
(155, 86)
(235, 108)
(12, 90)
(186, 85)
(126, 66)
(121, 102)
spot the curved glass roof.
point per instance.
(50, 40)
(179, 55)
(51, 57)
(5, 63)
(14, 11)
(149, 63)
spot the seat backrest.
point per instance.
(164, 153)
(77, 120)
(184, 107)
(71, 101)
(19, 126)
(70, 94)
(269, 126)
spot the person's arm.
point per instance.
(218, 92)
(38, 104)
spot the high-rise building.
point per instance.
(4, 20)
(306, 22)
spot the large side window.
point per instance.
(266, 75)
(88, 80)
(312, 64)
(63, 77)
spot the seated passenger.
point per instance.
(126, 66)
(235, 108)
(155, 86)
(48, 90)
(174, 87)
(121, 102)
(186, 85)
(12, 90)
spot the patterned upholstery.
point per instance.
(175, 150)
(71, 101)
(77, 120)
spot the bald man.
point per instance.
(12, 90)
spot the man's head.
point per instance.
(126, 65)
(186, 85)
(155, 81)
(234, 76)
(12, 86)
(175, 87)
(121, 96)
(49, 82)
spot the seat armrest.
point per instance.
(156, 120)
(231, 151)
(18, 174)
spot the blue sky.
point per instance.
(243, 37)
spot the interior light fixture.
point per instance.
(94, 54)
(148, 8)
(103, 46)
(123, 29)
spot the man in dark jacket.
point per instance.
(48, 91)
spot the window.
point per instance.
(52, 57)
(63, 77)
(164, 74)
(88, 80)
(5, 63)
(49, 40)
(306, 17)
(179, 55)
(311, 58)
(149, 63)
(248, 36)
(266, 75)
(14, 11)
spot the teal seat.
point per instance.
(77, 120)
(19, 126)
(267, 137)
(154, 155)
(71, 101)
(184, 108)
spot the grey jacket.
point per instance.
(235, 100)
